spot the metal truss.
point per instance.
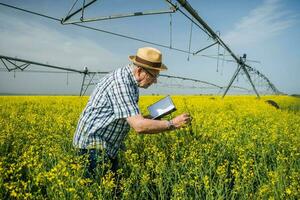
(192, 16)
(25, 64)
(196, 19)
(90, 77)
(216, 38)
(14, 64)
(194, 84)
(82, 10)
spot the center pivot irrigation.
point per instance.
(187, 11)
(88, 76)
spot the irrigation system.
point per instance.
(18, 64)
(182, 6)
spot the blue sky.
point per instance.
(267, 30)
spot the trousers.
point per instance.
(96, 157)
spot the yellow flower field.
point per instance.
(236, 148)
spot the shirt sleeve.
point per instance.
(124, 100)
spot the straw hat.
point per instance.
(149, 58)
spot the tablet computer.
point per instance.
(161, 108)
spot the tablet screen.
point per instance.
(161, 107)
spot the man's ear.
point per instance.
(137, 72)
(139, 69)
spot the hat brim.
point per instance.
(163, 67)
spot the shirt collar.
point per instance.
(130, 68)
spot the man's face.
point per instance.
(147, 77)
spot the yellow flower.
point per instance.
(288, 191)
(206, 182)
(13, 193)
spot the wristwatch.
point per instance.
(171, 125)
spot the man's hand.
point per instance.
(182, 120)
(143, 125)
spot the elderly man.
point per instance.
(113, 108)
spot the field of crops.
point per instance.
(236, 148)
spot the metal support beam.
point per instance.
(205, 48)
(83, 79)
(199, 81)
(37, 63)
(18, 66)
(66, 20)
(88, 84)
(189, 9)
(232, 80)
(77, 11)
(135, 14)
(190, 79)
(249, 78)
(5, 65)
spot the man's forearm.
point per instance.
(143, 125)
(149, 126)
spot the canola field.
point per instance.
(236, 148)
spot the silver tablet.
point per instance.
(161, 108)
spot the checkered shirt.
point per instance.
(102, 123)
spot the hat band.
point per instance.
(146, 62)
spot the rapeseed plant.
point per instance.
(236, 148)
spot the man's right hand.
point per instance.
(182, 120)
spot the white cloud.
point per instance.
(262, 23)
(32, 40)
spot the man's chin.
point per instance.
(145, 86)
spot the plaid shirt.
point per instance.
(102, 123)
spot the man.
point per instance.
(113, 108)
